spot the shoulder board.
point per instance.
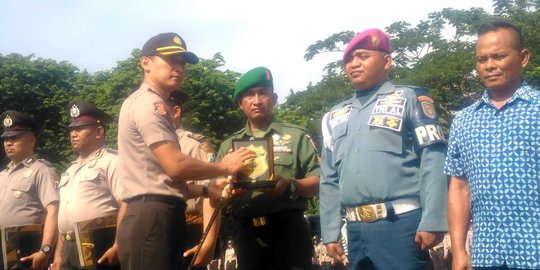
(243, 130)
(112, 151)
(46, 162)
(419, 91)
(290, 125)
(197, 137)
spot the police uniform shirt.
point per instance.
(145, 120)
(294, 158)
(390, 147)
(25, 190)
(88, 190)
(198, 147)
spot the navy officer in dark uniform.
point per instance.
(382, 164)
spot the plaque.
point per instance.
(94, 237)
(19, 242)
(260, 173)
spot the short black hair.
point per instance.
(495, 25)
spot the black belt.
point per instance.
(277, 218)
(171, 200)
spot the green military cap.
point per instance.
(257, 77)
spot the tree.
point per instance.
(39, 87)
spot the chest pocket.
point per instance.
(385, 140)
(20, 191)
(92, 175)
(338, 140)
(283, 165)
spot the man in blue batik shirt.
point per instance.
(382, 164)
(494, 160)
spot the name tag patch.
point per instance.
(395, 106)
(385, 121)
(339, 116)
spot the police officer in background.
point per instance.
(89, 188)
(152, 169)
(273, 233)
(198, 210)
(27, 191)
(382, 164)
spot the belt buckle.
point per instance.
(367, 213)
(259, 221)
(68, 235)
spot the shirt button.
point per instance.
(356, 150)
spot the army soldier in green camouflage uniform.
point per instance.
(273, 233)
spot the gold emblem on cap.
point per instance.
(7, 121)
(17, 194)
(177, 40)
(375, 41)
(74, 111)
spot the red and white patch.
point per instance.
(160, 108)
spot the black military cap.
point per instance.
(178, 98)
(169, 44)
(83, 113)
(16, 123)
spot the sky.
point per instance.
(94, 34)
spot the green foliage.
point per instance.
(41, 88)
(211, 109)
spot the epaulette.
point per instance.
(197, 137)
(44, 161)
(291, 125)
(112, 151)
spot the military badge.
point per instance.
(375, 41)
(28, 173)
(92, 163)
(384, 121)
(160, 108)
(395, 94)
(339, 116)
(177, 40)
(8, 121)
(427, 106)
(74, 111)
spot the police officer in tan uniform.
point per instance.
(27, 191)
(152, 169)
(89, 187)
(198, 210)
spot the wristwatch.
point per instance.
(205, 190)
(292, 190)
(46, 249)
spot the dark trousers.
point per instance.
(386, 244)
(70, 259)
(284, 243)
(151, 234)
(193, 237)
